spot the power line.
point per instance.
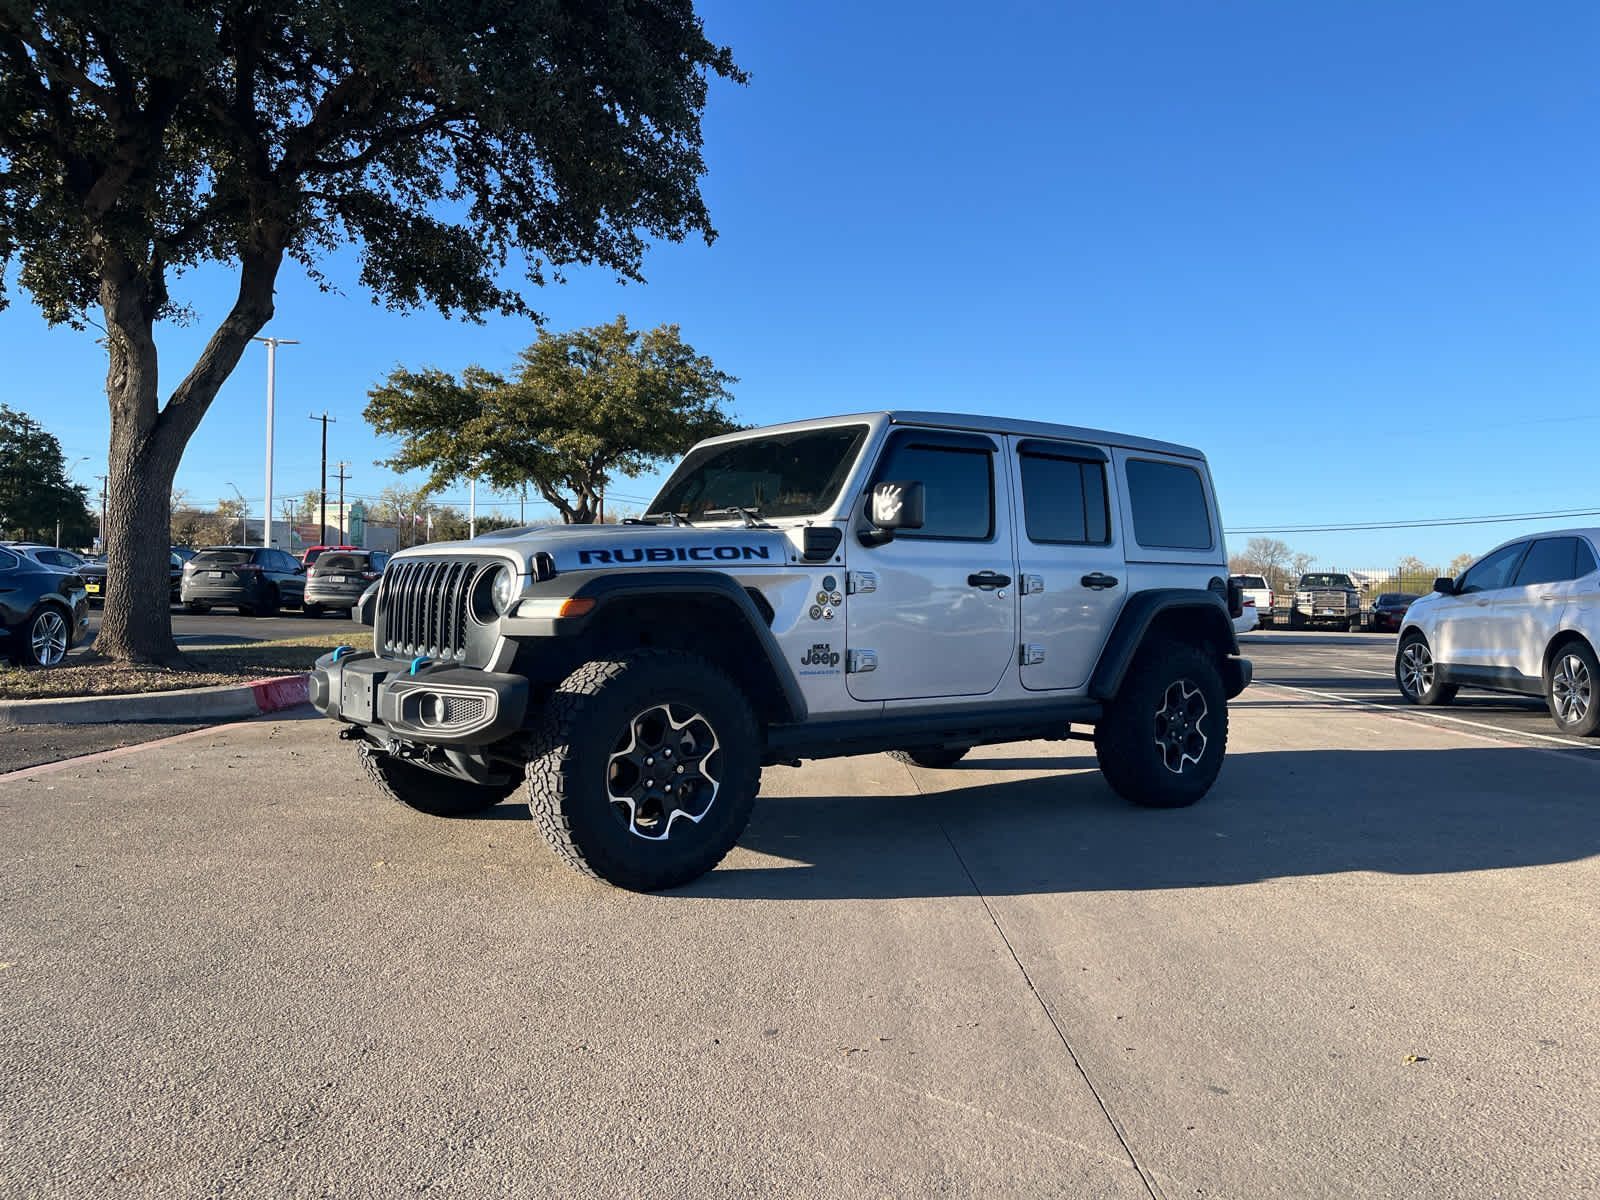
(1429, 523)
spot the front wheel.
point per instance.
(1418, 675)
(427, 791)
(645, 769)
(1162, 740)
(42, 641)
(1573, 690)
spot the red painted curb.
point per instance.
(275, 694)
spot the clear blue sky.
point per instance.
(1349, 250)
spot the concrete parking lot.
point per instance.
(1364, 966)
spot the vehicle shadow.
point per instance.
(1273, 814)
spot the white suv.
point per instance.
(1525, 618)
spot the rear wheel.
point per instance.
(1355, 624)
(1418, 675)
(267, 608)
(934, 759)
(1162, 740)
(1572, 690)
(43, 639)
(312, 610)
(645, 769)
(428, 792)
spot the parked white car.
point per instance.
(1524, 618)
(1248, 619)
(1257, 589)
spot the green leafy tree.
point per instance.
(582, 408)
(35, 490)
(141, 139)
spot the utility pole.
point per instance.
(272, 344)
(102, 480)
(472, 507)
(344, 520)
(324, 418)
(522, 507)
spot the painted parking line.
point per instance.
(1399, 712)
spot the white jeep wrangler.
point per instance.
(914, 582)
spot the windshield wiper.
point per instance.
(752, 516)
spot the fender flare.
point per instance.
(608, 587)
(1133, 623)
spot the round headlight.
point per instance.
(505, 589)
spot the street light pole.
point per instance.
(244, 532)
(272, 344)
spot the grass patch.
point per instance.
(92, 675)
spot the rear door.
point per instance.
(1070, 580)
(941, 618)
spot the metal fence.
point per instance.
(1368, 582)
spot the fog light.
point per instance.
(433, 710)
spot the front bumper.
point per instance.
(435, 705)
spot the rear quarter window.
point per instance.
(1169, 505)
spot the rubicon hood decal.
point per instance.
(591, 547)
(637, 554)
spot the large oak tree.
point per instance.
(581, 408)
(442, 138)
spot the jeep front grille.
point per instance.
(424, 606)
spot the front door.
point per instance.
(1071, 580)
(1527, 615)
(1465, 634)
(941, 616)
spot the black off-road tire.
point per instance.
(935, 759)
(1132, 760)
(1435, 693)
(589, 718)
(429, 792)
(1587, 681)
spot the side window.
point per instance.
(8, 561)
(1551, 560)
(380, 561)
(1064, 500)
(1169, 505)
(959, 483)
(54, 558)
(1495, 571)
(1586, 562)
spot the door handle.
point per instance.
(988, 580)
(1098, 580)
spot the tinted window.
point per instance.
(1169, 506)
(380, 561)
(1494, 571)
(8, 560)
(783, 475)
(341, 562)
(1551, 560)
(1585, 562)
(222, 558)
(959, 485)
(59, 558)
(1325, 581)
(1251, 581)
(1064, 500)
(311, 557)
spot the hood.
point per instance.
(603, 547)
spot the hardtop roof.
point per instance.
(978, 423)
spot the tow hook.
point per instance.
(351, 733)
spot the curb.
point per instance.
(222, 702)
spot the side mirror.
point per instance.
(892, 507)
(1445, 586)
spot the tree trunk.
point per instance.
(147, 443)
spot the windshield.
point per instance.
(1325, 581)
(1251, 581)
(222, 558)
(782, 475)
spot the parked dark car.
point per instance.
(338, 577)
(258, 581)
(44, 610)
(311, 552)
(94, 574)
(49, 556)
(1389, 610)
